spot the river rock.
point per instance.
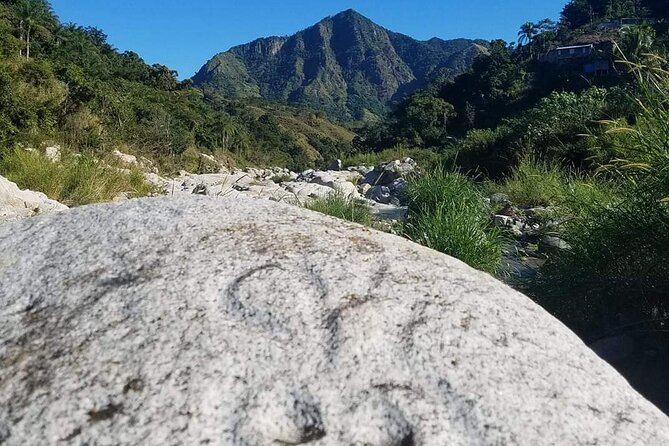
(384, 174)
(201, 320)
(16, 204)
(334, 165)
(380, 194)
(124, 158)
(52, 153)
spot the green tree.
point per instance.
(577, 13)
(422, 119)
(527, 33)
(482, 96)
(164, 78)
(33, 17)
(536, 36)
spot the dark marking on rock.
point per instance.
(379, 277)
(466, 322)
(74, 434)
(333, 329)
(121, 280)
(365, 245)
(135, 385)
(399, 387)
(106, 413)
(408, 440)
(318, 281)
(232, 293)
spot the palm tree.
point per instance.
(230, 132)
(61, 34)
(527, 33)
(32, 14)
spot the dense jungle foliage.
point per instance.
(65, 84)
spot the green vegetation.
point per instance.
(618, 266)
(340, 206)
(65, 84)
(537, 183)
(319, 67)
(448, 213)
(593, 150)
(74, 180)
(541, 183)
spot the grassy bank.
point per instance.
(75, 179)
(448, 213)
(339, 206)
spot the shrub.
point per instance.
(338, 205)
(282, 178)
(537, 183)
(76, 180)
(489, 151)
(194, 162)
(534, 182)
(448, 213)
(617, 270)
(556, 126)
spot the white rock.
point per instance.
(255, 173)
(195, 320)
(347, 189)
(303, 191)
(337, 181)
(364, 189)
(125, 158)
(52, 153)
(156, 180)
(504, 221)
(324, 179)
(16, 203)
(148, 165)
(122, 196)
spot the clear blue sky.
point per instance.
(185, 34)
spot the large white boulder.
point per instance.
(16, 204)
(196, 320)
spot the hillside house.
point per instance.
(591, 58)
(567, 54)
(623, 23)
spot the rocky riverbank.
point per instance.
(381, 187)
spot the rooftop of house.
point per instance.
(573, 47)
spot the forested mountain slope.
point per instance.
(64, 84)
(345, 65)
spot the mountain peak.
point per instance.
(346, 66)
(350, 15)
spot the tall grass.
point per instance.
(535, 182)
(448, 213)
(75, 180)
(617, 271)
(338, 205)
